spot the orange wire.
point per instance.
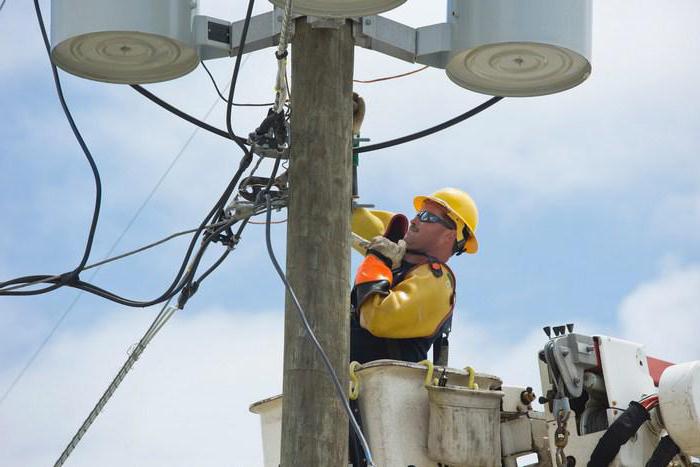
(389, 77)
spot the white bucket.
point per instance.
(464, 427)
(395, 411)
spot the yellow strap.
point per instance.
(470, 382)
(354, 381)
(429, 380)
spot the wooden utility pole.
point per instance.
(314, 424)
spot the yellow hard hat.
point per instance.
(462, 210)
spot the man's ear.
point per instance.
(449, 236)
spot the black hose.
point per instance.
(185, 116)
(218, 91)
(622, 429)
(234, 77)
(431, 130)
(665, 451)
(72, 275)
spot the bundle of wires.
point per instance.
(650, 402)
(214, 227)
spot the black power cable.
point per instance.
(310, 334)
(232, 90)
(431, 130)
(372, 147)
(115, 258)
(178, 283)
(234, 77)
(72, 275)
(185, 116)
(218, 91)
(192, 285)
(217, 211)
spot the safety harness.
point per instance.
(441, 345)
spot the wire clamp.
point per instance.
(187, 292)
(251, 188)
(271, 138)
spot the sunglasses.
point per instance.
(430, 218)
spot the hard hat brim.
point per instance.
(472, 245)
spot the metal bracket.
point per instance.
(433, 44)
(212, 37)
(429, 45)
(263, 32)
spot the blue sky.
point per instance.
(589, 204)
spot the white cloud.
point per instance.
(664, 314)
(677, 217)
(184, 403)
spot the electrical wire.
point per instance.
(173, 288)
(69, 276)
(431, 130)
(213, 81)
(235, 238)
(234, 77)
(217, 211)
(183, 278)
(2, 4)
(216, 264)
(229, 104)
(163, 316)
(326, 361)
(74, 302)
(161, 319)
(183, 115)
(192, 285)
(177, 284)
(650, 402)
(135, 216)
(118, 257)
(387, 78)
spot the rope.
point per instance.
(281, 90)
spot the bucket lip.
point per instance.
(256, 406)
(399, 363)
(454, 388)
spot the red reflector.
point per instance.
(656, 368)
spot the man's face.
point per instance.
(424, 236)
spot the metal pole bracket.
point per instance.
(428, 45)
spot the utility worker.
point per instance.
(404, 292)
